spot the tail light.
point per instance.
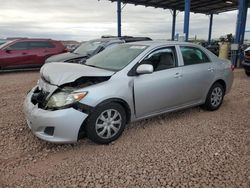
(232, 67)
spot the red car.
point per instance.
(23, 53)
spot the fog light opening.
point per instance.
(49, 131)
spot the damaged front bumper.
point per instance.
(59, 126)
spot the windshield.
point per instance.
(88, 47)
(116, 58)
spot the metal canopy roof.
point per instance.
(197, 6)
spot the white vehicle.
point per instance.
(126, 83)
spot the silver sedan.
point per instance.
(123, 84)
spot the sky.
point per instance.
(88, 19)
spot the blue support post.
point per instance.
(210, 28)
(186, 18)
(173, 23)
(244, 20)
(240, 27)
(239, 21)
(119, 19)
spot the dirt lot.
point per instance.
(190, 148)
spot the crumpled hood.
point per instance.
(64, 57)
(62, 73)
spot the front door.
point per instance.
(162, 89)
(16, 55)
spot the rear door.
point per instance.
(198, 73)
(16, 55)
(41, 50)
(162, 89)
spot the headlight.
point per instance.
(63, 98)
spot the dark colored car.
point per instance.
(212, 47)
(22, 53)
(246, 63)
(93, 47)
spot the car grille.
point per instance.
(39, 97)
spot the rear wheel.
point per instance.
(106, 123)
(214, 97)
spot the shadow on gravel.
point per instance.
(149, 122)
(142, 124)
(19, 70)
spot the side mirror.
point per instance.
(145, 69)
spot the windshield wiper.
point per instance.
(114, 70)
(93, 66)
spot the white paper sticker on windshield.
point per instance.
(138, 47)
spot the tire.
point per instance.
(106, 123)
(247, 73)
(214, 98)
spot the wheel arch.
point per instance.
(123, 103)
(219, 80)
(223, 83)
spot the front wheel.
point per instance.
(214, 97)
(106, 123)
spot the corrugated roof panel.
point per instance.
(197, 6)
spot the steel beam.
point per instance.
(240, 27)
(119, 18)
(186, 18)
(173, 23)
(239, 20)
(210, 28)
(244, 20)
(198, 6)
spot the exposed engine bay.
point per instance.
(85, 82)
(41, 97)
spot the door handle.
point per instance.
(24, 53)
(178, 75)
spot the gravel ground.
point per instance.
(189, 148)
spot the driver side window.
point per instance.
(162, 59)
(19, 46)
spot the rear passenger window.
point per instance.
(19, 46)
(161, 59)
(192, 56)
(40, 44)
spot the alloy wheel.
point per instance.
(108, 123)
(216, 96)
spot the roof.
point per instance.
(197, 6)
(161, 42)
(122, 38)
